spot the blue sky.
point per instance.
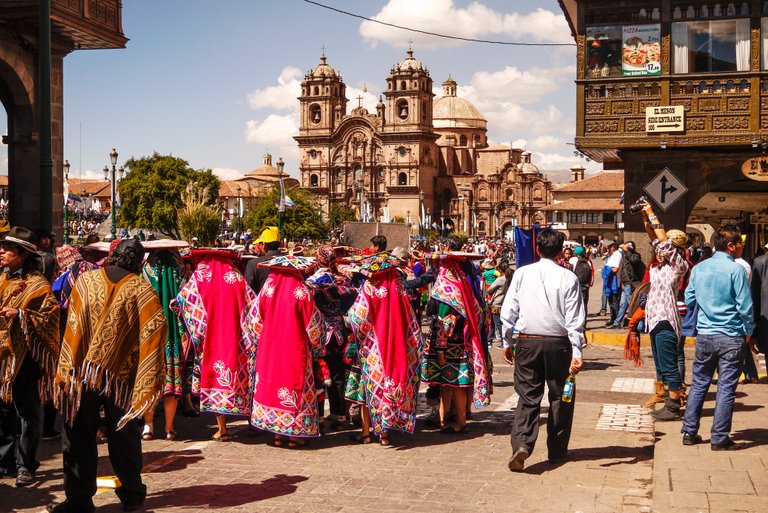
(215, 82)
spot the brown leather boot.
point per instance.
(657, 397)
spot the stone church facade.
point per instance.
(418, 158)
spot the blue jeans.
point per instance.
(681, 358)
(626, 295)
(664, 345)
(725, 354)
(497, 326)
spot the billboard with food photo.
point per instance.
(641, 50)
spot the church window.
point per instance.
(481, 227)
(403, 85)
(402, 109)
(510, 195)
(476, 140)
(315, 113)
(402, 151)
(358, 173)
(316, 91)
(327, 89)
(402, 179)
(338, 174)
(537, 195)
(483, 194)
(314, 181)
(313, 154)
(463, 140)
(423, 111)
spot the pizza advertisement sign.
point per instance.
(641, 50)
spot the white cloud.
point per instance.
(524, 86)
(282, 96)
(227, 173)
(476, 21)
(273, 131)
(369, 98)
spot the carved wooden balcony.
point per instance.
(86, 24)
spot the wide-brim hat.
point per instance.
(23, 237)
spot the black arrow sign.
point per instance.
(676, 125)
(665, 189)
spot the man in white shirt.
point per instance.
(544, 307)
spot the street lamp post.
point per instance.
(239, 214)
(281, 203)
(421, 214)
(66, 203)
(113, 160)
(442, 224)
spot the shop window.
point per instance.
(710, 46)
(604, 51)
(402, 179)
(558, 217)
(575, 217)
(609, 217)
(592, 217)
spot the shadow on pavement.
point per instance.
(214, 496)
(171, 460)
(755, 436)
(614, 455)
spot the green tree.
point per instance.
(151, 192)
(339, 214)
(302, 221)
(198, 218)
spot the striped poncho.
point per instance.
(113, 344)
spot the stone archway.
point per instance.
(17, 96)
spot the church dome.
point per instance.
(525, 166)
(323, 69)
(451, 111)
(409, 63)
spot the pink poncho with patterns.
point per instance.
(288, 330)
(217, 307)
(388, 335)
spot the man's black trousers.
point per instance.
(539, 361)
(81, 456)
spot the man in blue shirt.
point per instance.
(719, 286)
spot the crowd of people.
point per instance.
(270, 334)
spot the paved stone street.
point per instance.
(619, 464)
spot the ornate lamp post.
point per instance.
(239, 214)
(66, 203)
(113, 160)
(281, 203)
(421, 214)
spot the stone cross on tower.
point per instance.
(359, 101)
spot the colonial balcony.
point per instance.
(722, 110)
(88, 24)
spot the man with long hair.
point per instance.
(112, 357)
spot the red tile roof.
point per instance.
(586, 204)
(605, 181)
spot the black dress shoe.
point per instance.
(67, 507)
(7, 474)
(730, 445)
(24, 478)
(556, 460)
(132, 506)
(689, 439)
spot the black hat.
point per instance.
(23, 237)
(129, 253)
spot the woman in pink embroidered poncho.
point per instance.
(387, 335)
(217, 307)
(288, 333)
